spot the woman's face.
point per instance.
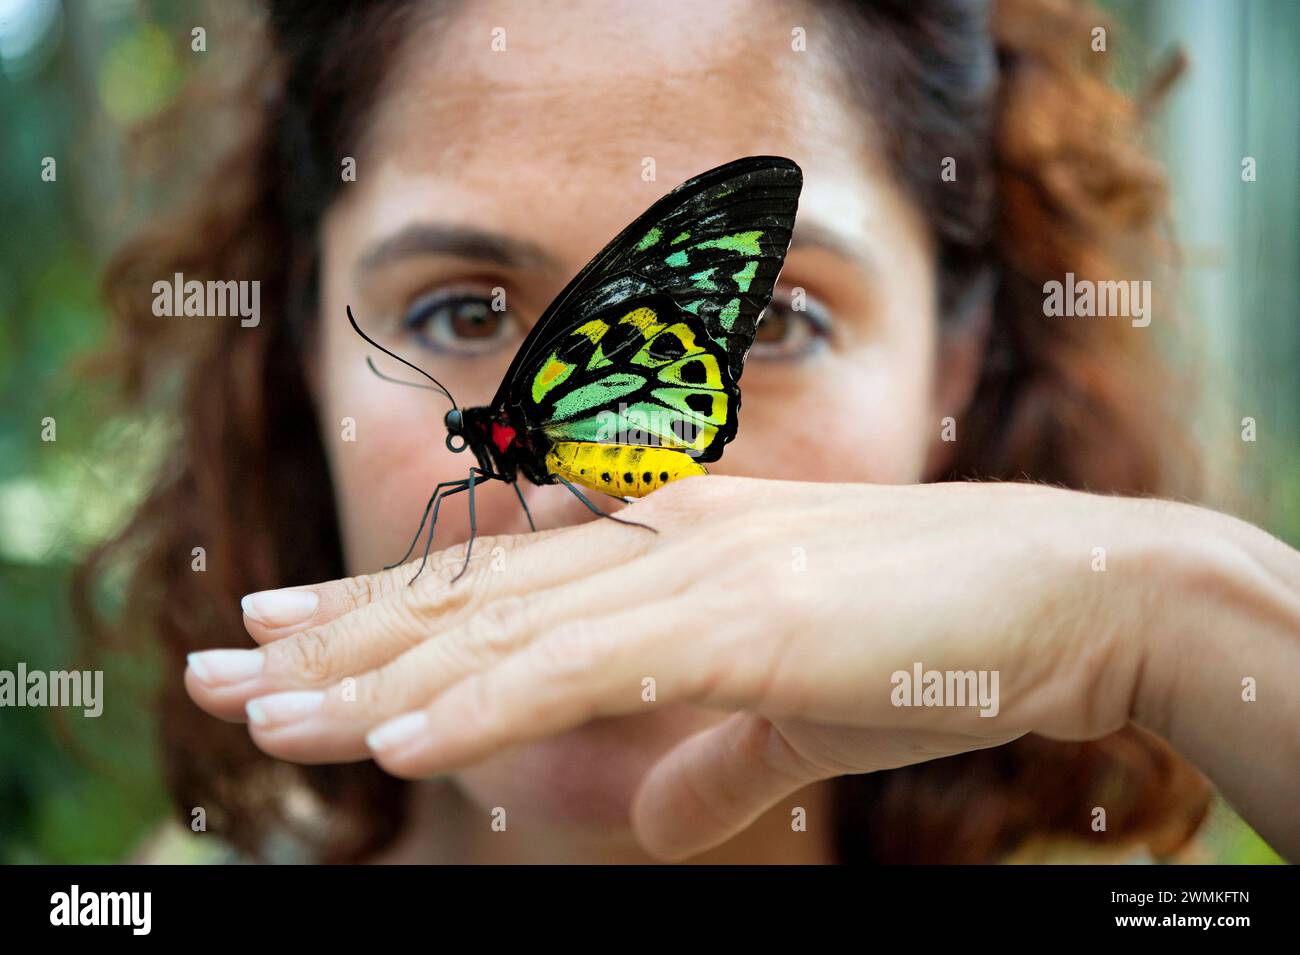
(542, 147)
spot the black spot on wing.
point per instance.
(620, 337)
(700, 404)
(575, 349)
(666, 347)
(695, 372)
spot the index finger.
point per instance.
(271, 615)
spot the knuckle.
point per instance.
(460, 652)
(308, 655)
(488, 635)
(391, 687)
(437, 593)
(442, 583)
(401, 624)
(432, 596)
(451, 560)
(361, 590)
(774, 752)
(496, 628)
(568, 653)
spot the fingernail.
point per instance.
(226, 666)
(283, 707)
(397, 731)
(280, 608)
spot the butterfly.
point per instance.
(631, 377)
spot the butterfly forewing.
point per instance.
(647, 344)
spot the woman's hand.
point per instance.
(800, 607)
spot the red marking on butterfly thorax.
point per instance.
(502, 436)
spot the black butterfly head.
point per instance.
(455, 430)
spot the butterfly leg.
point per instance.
(414, 540)
(524, 504)
(474, 479)
(456, 488)
(595, 510)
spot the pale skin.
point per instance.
(772, 607)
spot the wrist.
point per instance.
(1219, 680)
(1188, 582)
(1224, 603)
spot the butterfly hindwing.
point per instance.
(643, 373)
(655, 329)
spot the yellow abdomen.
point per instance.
(620, 470)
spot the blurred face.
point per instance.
(541, 148)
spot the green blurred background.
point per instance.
(75, 76)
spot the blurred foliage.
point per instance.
(72, 80)
(71, 788)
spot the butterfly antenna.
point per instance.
(396, 381)
(357, 328)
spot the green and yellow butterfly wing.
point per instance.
(643, 373)
(648, 342)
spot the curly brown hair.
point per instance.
(1053, 179)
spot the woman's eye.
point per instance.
(458, 322)
(791, 328)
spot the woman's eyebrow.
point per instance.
(813, 235)
(435, 238)
(467, 242)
